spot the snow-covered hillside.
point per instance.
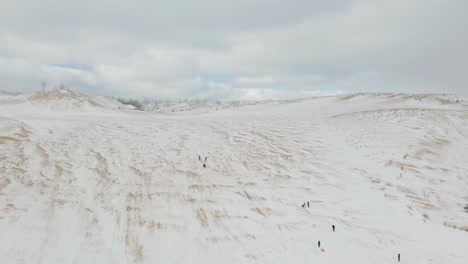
(82, 181)
(58, 102)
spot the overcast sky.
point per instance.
(229, 50)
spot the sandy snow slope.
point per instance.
(83, 183)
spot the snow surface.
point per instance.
(82, 181)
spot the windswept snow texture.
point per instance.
(87, 182)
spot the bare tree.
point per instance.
(134, 102)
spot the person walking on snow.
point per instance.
(333, 226)
(319, 243)
(398, 257)
(199, 157)
(308, 204)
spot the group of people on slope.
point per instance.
(333, 228)
(200, 159)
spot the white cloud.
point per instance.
(253, 94)
(254, 80)
(257, 48)
(65, 74)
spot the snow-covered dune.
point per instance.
(389, 171)
(58, 103)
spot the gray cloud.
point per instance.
(235, 49)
